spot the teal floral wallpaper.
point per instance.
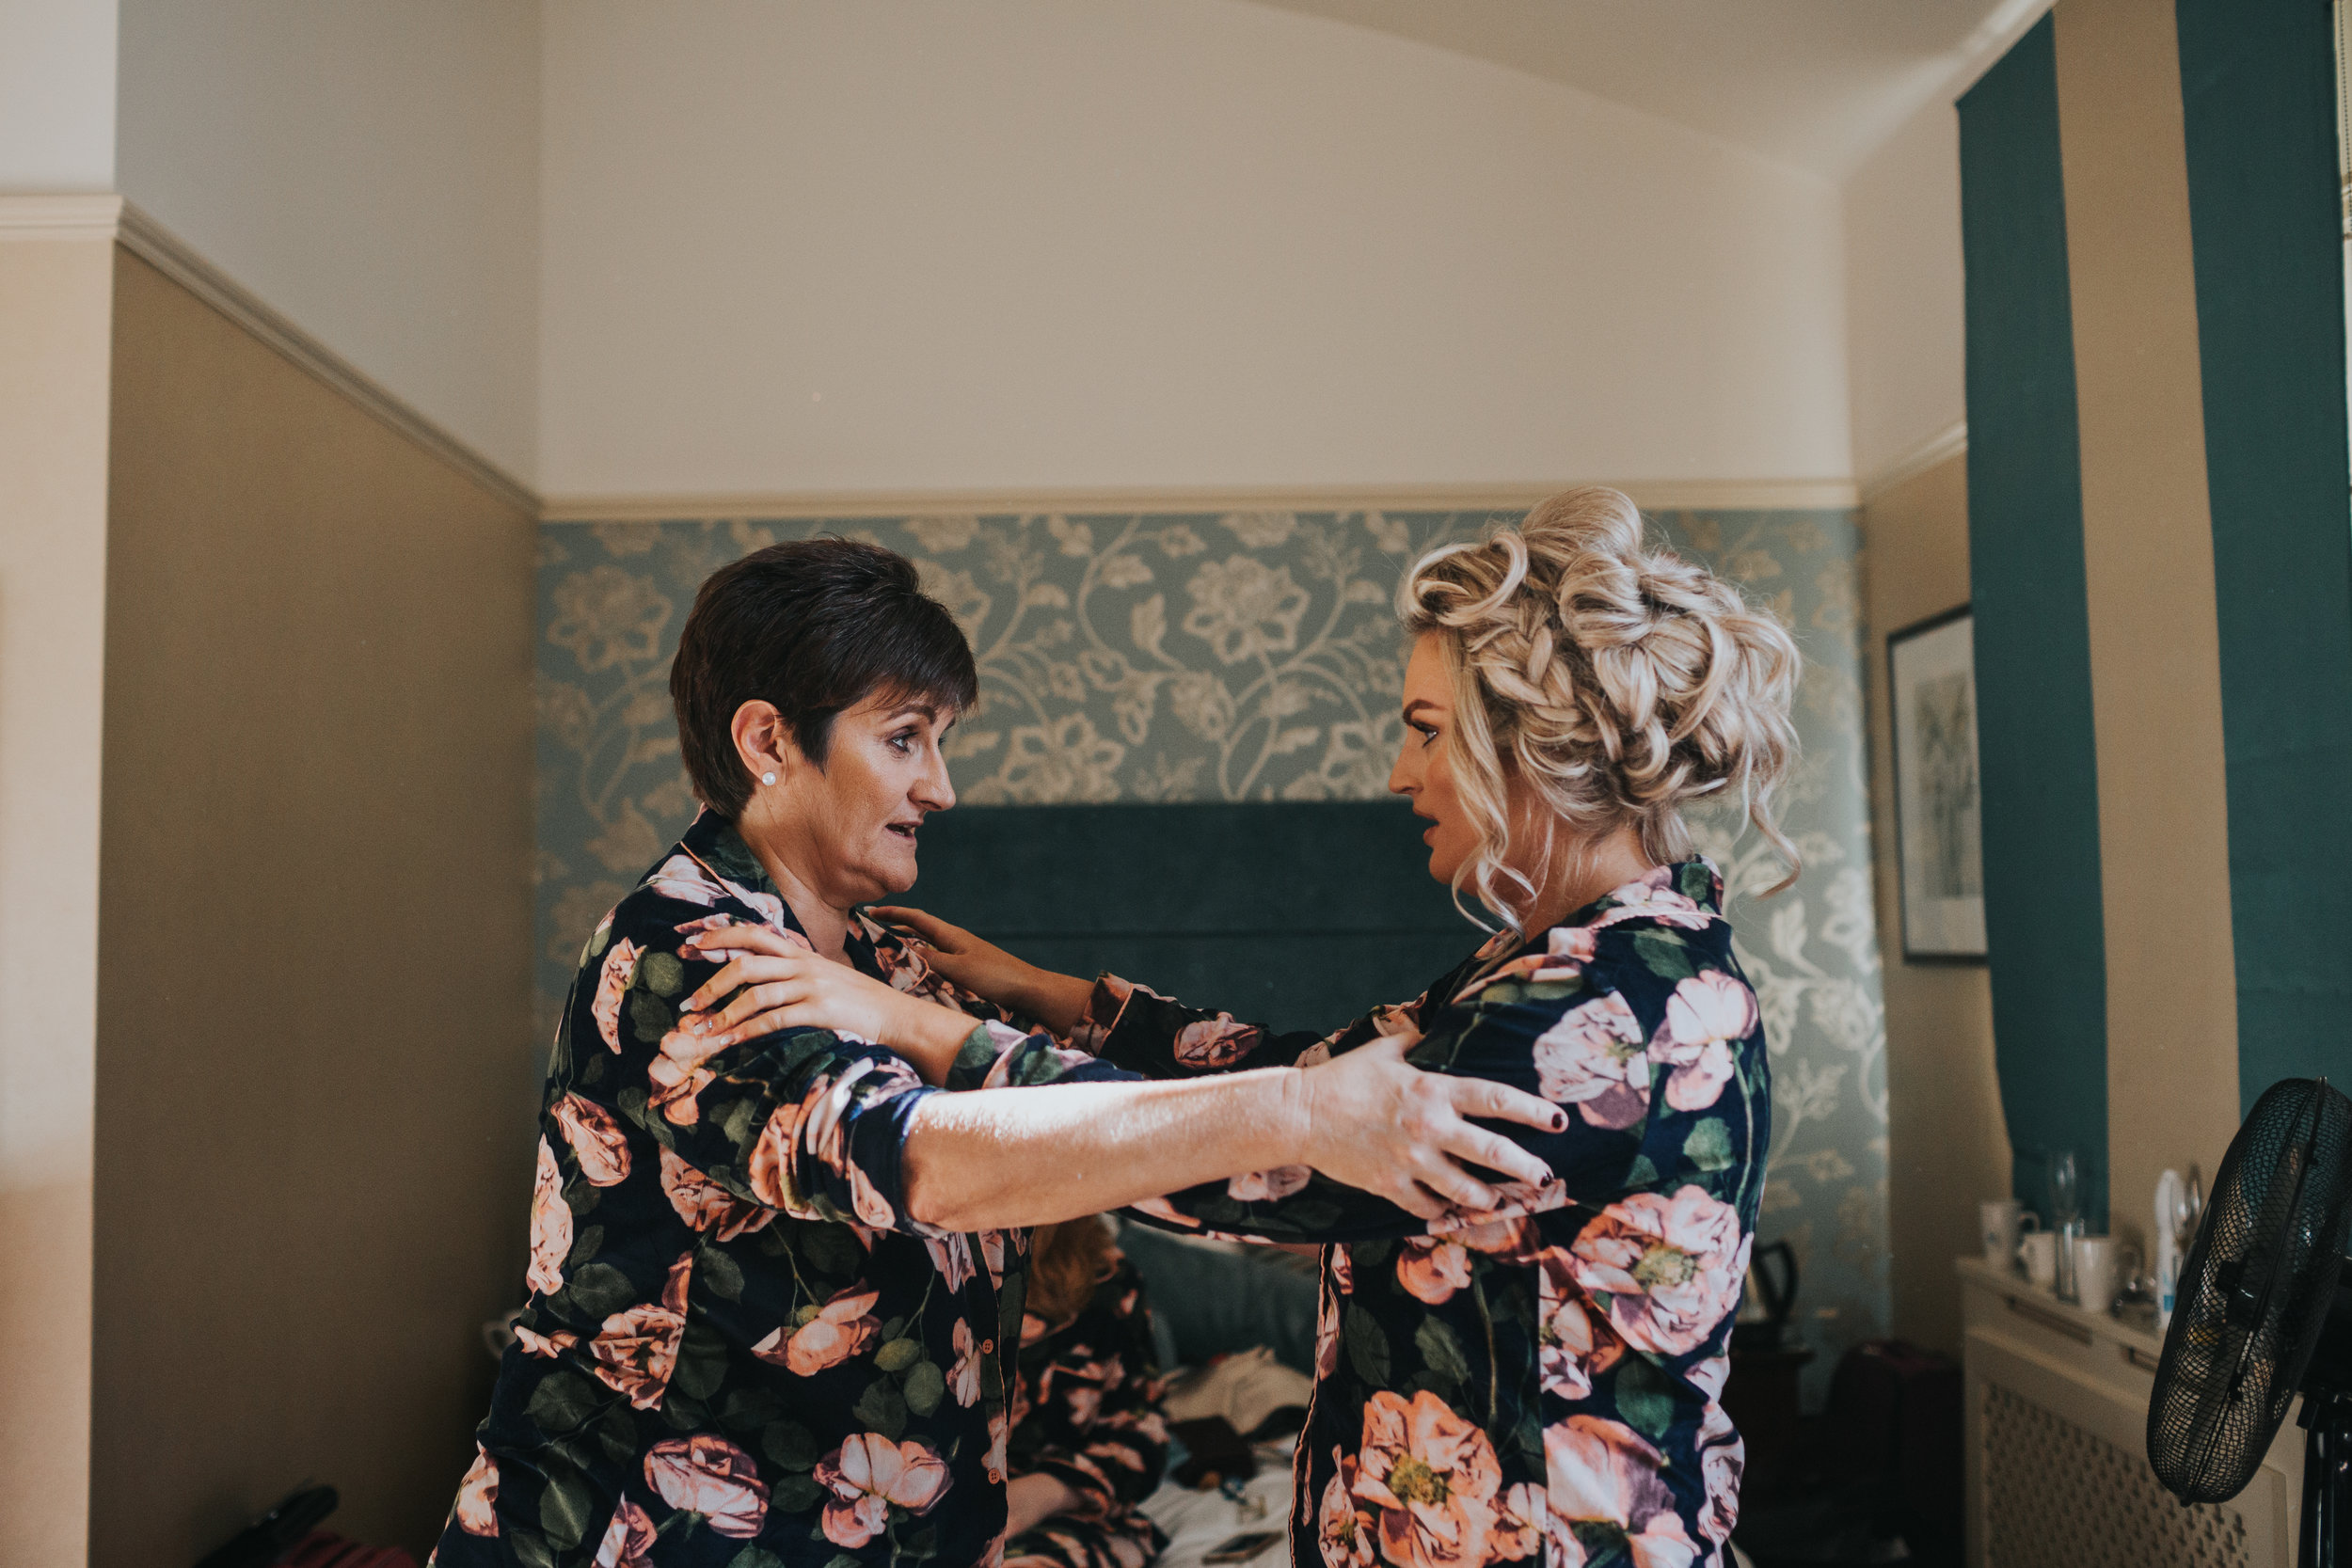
(1245, 656)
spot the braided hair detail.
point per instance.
(1624, 683)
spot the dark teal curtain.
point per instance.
(2258, 96)
(2036, 751)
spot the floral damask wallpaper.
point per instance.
(1245, 656)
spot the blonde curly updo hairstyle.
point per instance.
(1624, 683)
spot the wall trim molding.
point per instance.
(59, 215)
(1652, 495)
(1947, 443)
(100, 215)
(150, 241)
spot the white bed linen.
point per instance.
(1198, 1522)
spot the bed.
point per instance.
(1198, 1523)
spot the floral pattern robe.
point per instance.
(1085, 1409)
(738, 1349)
(1540, 1383)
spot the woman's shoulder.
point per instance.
(695, 885)
(1642, 940)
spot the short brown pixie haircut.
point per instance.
(814, 627)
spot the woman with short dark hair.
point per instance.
(775, 1286)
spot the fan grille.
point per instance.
(2253, 1293)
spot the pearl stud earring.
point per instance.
(767, 777)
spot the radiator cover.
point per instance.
(2057, 1405)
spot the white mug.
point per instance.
(2099, 1270)
(2037, 1251)
(1999, 1222)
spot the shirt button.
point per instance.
(988, 1347)
(995, 1479)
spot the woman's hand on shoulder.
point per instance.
(986, 970)
(1377, 1122)
(769, 983)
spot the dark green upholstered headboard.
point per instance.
(1300, 915)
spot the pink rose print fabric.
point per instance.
(1087, 1411)
(1431, 1478)
(1669, 1269)
(1258, 1186)
(629, 1540)
(874, 1479)
(1433, 1271)
(1706, 1017)
(1540, 1383)
(550, 1225)
(738, 1349)
(843, 1326)
(596, 1139)
(713, 1478)
(1597, 1060)
(478, 1497)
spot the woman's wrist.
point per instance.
(929, 1035)
(1058, 1000)
(1294, 1111)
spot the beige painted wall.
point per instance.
(58, 96)
(1948, 1144)
(1905, 299)
(371, 171)
(2156, 673)
(55, 303)
(315, 1067)
(1905, 316)
(797, 246)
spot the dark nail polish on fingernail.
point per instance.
(1558, 1122)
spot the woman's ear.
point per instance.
(764, 742)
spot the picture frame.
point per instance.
(1939, 835)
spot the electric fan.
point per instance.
(2260, 1317)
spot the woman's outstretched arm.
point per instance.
(994, 1158)
(988, 1157)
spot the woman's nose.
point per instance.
(935, 791)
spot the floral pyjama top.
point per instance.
(738, 1349)
(1540, 1383)
(1086, 1410)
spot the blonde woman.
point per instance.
(1539, 1381)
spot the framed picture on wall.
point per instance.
(1939, 822)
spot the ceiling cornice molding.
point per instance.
(106, 215)
(1651, 495)
(1947, 443)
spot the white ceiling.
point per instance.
(1818, 84)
